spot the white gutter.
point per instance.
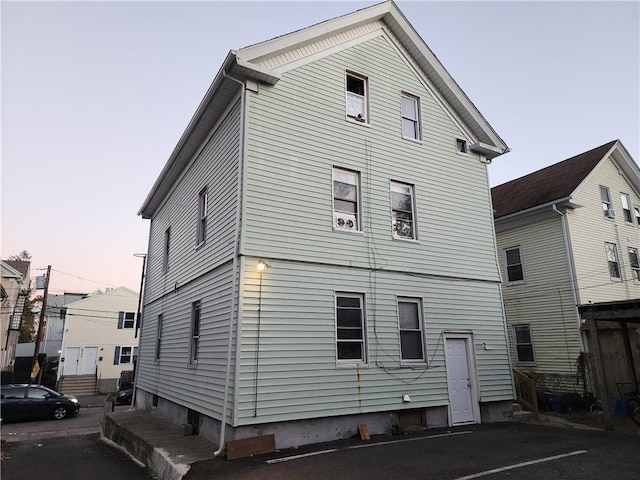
(543, 206)
(236, 247)
(570, 264)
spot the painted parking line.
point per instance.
(520, 465)
(352, 447)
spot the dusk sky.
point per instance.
(95, 96)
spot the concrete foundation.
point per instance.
(303, 432)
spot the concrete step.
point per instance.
(78, 385)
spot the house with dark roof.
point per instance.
(300, 280)
(567, 235)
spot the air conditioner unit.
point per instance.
(345, 221)
(610, 213)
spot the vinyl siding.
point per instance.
(217, 169)
(544, 300)
(296, 369)
(590, 230)
(171, 377)
(298, 131)
(93, 322)
(196, 272)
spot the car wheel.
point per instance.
(59, 412)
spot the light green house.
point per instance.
(345, 161)
(569, 235)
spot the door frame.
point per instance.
(473, 374)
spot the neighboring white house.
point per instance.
(14, 289)
(99, 339)
(344, 161)
(569, 235)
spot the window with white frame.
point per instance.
(410, 117)
(636, 209)
(612, 259)
(403, 211)
(513, 259)
(461, 145)
(158, 337)
(350, 328)
(626, 207)
(126, 320)
(357, 104)
(524, 345)
(167, 244)
(195, 332)
(605, 199)
(125, 355)
(634, 261)
(346, 199)
(411, 329)
(203, 204)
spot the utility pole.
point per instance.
(35, 367)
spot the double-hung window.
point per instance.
(350, 329)
(626, 207)
(403, 211)
(195, 332)
(410, 117)
(411, 330)
(346, 200)
(126, 320)
(524, 345)
(636, 210)
(158, 337)
(634, 261)
(612, 259)
(357, 104)
(203, 203)
(513, 258)
(125, 355)
(167, 244)
(605, 199)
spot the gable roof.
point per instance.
(251, 63)
(556, 182)
(22, 266)
(116, 292)
(9, 271)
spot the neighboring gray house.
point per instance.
(14, 289)
(345, 161)
(569, 235)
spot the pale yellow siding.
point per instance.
(544, 300)
(589, 230)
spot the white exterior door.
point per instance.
(71, 360)
(463, 408)
(89, 360)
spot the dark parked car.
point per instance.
(24, 402)
(125, 394)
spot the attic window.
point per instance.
(461, 146)
(357, 97)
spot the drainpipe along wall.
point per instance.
(232, 317)
(565, 238)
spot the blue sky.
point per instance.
(95, 95)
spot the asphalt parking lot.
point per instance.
(497, 451)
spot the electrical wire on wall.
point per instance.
(377, 263)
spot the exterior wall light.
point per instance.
(262, 265)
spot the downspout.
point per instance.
(236, 247)
(565, 239)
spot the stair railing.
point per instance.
(526, 394)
